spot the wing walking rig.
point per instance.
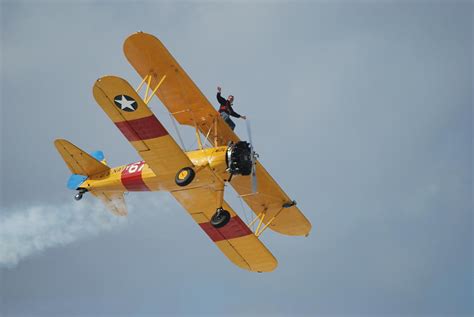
(196, 178)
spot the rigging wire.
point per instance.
(177, 131)
(244, 211)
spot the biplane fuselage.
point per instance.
(138, 176)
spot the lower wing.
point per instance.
(271, 204)
(235, 239)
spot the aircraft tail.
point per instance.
(81, 164)
(84, 165)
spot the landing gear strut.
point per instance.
(220, 218)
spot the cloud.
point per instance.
(25, 231)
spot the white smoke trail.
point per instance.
(27, 231)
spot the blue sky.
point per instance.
(362, 111)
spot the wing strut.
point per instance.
(216, 144)
(261, 217)
(147, 79)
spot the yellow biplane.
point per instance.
(196, 178)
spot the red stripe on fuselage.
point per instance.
(142, 129)
(132, 177)
(235, 228)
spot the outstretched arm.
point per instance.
(235, 114)
(220, 99)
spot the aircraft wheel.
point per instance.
(220, 218)
(78, 196)
(184, 176)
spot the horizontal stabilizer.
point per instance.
(79, 161)
(114, 202)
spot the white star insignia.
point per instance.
(126, 104)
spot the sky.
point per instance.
(361, 110)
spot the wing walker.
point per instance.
(195, 178)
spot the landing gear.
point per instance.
(80, 193)
(184, 176)
(220, 218)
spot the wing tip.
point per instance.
(60, 142)
(264, 267)
(267, 267)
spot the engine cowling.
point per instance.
(239, 159)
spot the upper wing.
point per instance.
(269, 201)
(139, 125)
(178, 92)
(235, 239)
(189, 106)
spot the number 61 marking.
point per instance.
(135, 167)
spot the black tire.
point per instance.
(184, 176)
(220, 218)
(78, 196)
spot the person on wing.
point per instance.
(226, 110)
